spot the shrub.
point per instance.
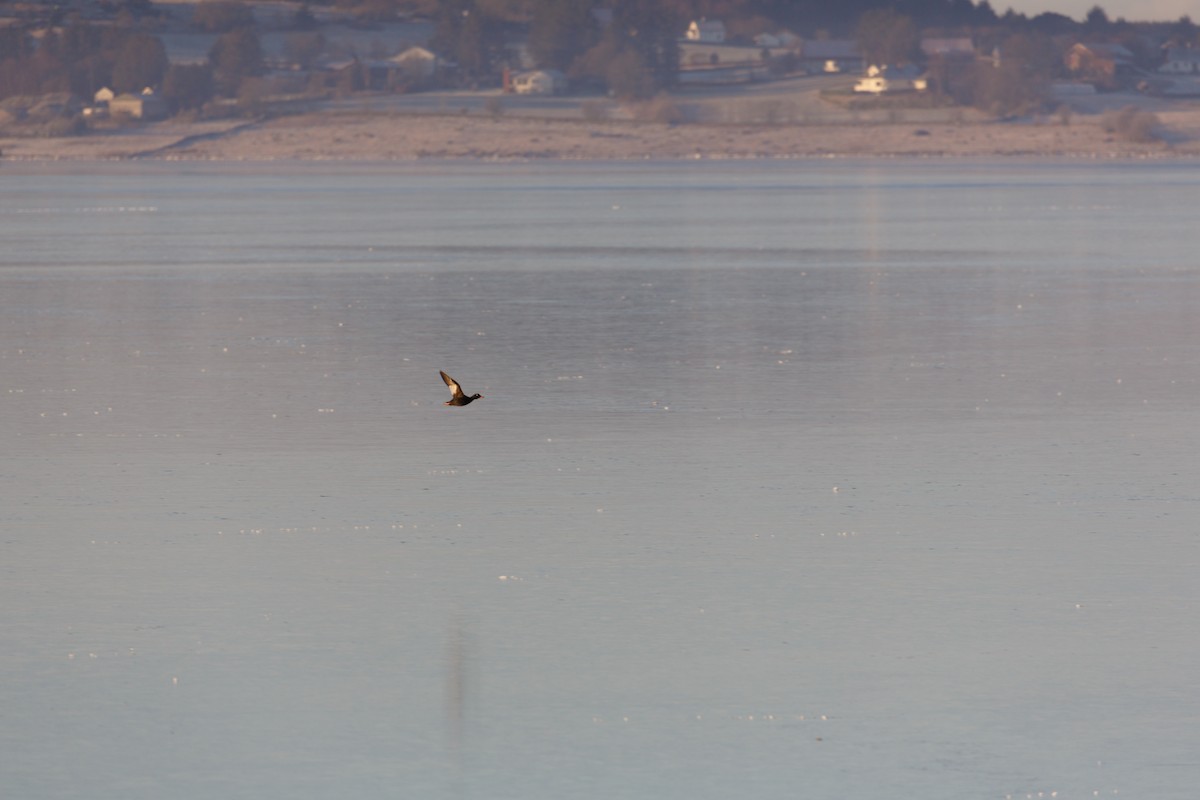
(252, 96)
(1133, 124)
(628, 78)
(661, 108)
(774, 112)
(63, 126)
(594, 110)
(218, 109)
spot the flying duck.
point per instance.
(457, 398)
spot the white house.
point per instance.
(773, 41)
(1181, 61)
(539, 81)
(709, 31)
(885, 79)
(416, 62)
(146, 105)
(100, 100)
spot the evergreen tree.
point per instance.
(886, 37)
(469, 36)
(1184, 32)
(188, 86)
(234, 56)
(141, 62)
(448, 26)
(1052, 23)
(984, 13)
(561, 31)
(651, 31)
(1096, 20)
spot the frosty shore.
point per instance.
(363, 135)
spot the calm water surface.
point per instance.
(823, 480)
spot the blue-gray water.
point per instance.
(823, 480)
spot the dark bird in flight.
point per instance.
(457, 398)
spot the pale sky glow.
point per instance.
(1132, 10)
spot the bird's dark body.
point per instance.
(457, 397)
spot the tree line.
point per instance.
(626, 47)
(79, 58)
(631, 47)
(634, 52)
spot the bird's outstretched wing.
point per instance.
(455, 390)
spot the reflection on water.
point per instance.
(871, 479)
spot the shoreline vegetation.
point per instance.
(365, 134)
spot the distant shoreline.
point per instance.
(361, 135)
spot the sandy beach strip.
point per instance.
(384, 136)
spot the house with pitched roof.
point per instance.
(951, 48)
(146, 106)
(1102, 63)
(709, 31)
(1181, 61)
(831, 55)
